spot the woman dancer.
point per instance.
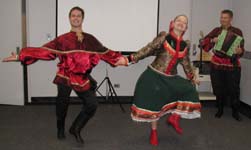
(159, 90)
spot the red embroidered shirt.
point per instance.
(76, 59)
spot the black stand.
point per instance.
(110, 92)
(201, 61)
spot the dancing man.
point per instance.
(78, 52)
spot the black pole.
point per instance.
(56, 18)
(25, 78)
(200, 60)
(24, 44)
(158, 17)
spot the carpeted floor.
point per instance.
(34, 128)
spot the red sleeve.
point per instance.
(52, 44)
(104, 53)
(93, 44)
(207, 43)
(30, 55)
(111, 57)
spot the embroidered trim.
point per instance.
(186, 109)
(174, 59)
(73, 83)
(157, 71)
(175, 36)
(221, 64)
(74, 51)
(172, 51)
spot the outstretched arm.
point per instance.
(148, 50)
(12, 57)
(30, 55)
(114, 58)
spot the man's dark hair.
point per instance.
(229, 12)
(79, 9)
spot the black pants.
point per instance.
(62, 102)
(226, 85)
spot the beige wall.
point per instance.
(202, 16)
(11, 80)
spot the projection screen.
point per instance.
(120, 25)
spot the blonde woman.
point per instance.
(159, 90)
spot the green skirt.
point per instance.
(157, 94)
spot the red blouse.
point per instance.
(76, 59)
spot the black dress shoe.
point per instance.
(77, 135)
(219, 114)
(236, 116)
(61, 135)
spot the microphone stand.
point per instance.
(110, 91)
(201, 51)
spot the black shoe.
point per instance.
(219, 113)
(60, 134)
(236, 116)
(77, 135)
(60, 127)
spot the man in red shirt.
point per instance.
(225, 70)
(78, 52)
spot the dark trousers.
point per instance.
(226, 86)
(87, 111)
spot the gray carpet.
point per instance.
(33, 128)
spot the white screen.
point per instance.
(121, 25)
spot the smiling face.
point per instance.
(225, 20)
(180, 23)
(76, 18)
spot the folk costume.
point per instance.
(78, 54)
(225, 70)
(159, 90)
